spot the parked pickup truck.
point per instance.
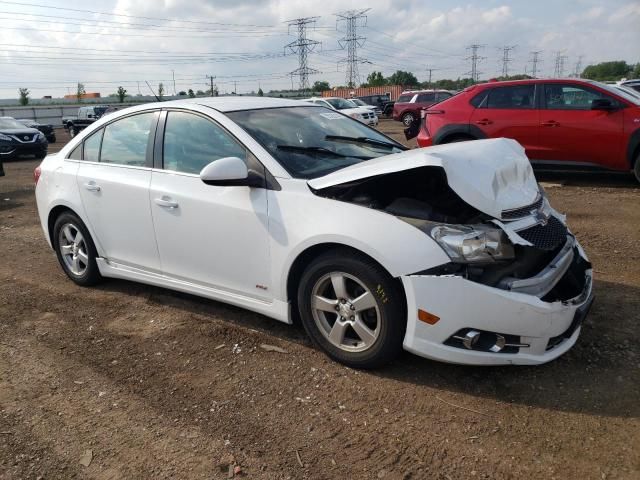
(86, 116)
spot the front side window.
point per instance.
(125, 141)
(310, 142)
(513, 97)
(191, 142)
(570, 97)
(92, 147)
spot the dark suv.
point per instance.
(408, 106)
(47, 129)
(380, 100)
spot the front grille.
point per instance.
(522, 211)
(546, 237)
(25, 137)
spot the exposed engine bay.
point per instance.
(421, 193)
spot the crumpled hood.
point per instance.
(490, 175)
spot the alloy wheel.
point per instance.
(345, 311)
(73, 249)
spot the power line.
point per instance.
(535, 59)
(302, 46)
(351, 40)
(475, 61)
(506, 59)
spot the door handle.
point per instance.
(166, 202)
(92, 186)
(484, 121)
(550, 123)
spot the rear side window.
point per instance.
(514, 97)
(92, 147)
(191, 142)
(405, 98)
(442, 96)
(426, 98)
(570, 97)
(76, 154)
(125, 141)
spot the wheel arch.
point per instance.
(633, 148)
(447, 132)
(54, 213)
(303, 259)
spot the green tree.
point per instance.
(80, 91)
(321, 86)
(121, 93)
(191, 94)
(24, 96)
(260, 92)
(182, 93)
(160, 91)
(608, 71)
(636, 71)
(376, 79)
(403, 78)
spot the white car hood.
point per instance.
(490, 175)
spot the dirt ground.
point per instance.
(128, 381)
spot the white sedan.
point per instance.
(347, 107)
(294, 210)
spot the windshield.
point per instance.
(339, 103)
(621, 93)
(10, 123)
(358, 103)
(310, 142)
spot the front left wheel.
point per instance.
(352, 309)
(75, 250)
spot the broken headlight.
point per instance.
(472, 243)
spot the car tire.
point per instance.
(352, 309)
(636, 167)
(408, 118)
(51, 139)
(75, 250)
(459, 138)
(72, 132)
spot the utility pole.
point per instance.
(475, 61)
(351, 40)
(139, 93)
(431, 70)
(211, 77)
(235, 87)
(535, 59)
(173, 74)
(302, 46)
(506, 59)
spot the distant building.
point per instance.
(84, 95)
(393, 91)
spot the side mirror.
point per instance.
(603, 104)
(230, 172)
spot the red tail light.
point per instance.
(36, 174)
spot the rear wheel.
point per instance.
(352, 309)
(72, 131)
(408, 118)
(458, 138)
(75, 250)
(636, 167)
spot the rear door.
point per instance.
(510, 112)
(571, 132)
(113, 179)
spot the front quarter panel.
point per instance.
(298, 220)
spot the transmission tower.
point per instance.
(535, 59)
(578, 68)
(475, 60)
(302, 46)
(558, 69)
(506, 59)
(351, 41)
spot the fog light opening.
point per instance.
(483, 341)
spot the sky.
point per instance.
(50, 46)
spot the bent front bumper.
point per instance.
(544, 330)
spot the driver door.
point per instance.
(209, 235)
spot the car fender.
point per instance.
(396, 245)
(632, 146)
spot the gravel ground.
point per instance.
(130, 381)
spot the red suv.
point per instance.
(408, 106)
(563, 122)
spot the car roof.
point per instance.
(494, 83)
(234, 103)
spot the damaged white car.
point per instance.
(450, 252)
